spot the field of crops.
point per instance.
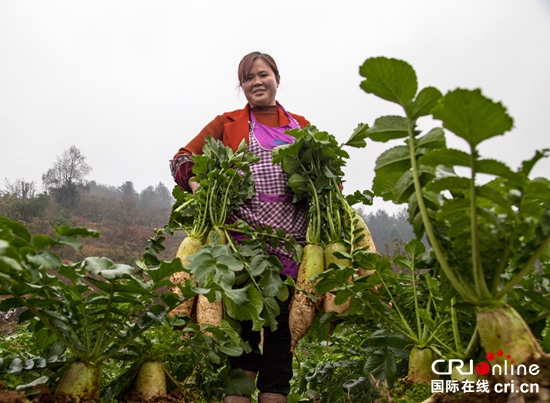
(464, 319)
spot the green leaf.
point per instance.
(101, 284)
(403, 262)
(404, 188)
(239, 383)
(76, 231)
(232, 351)
(434, 139)
(258, 265)
(284, 293)
(365, 197)
(426, 99)
(45, 259)
(396, 159)
(131, 285)
(384, 183)
(270, 312)
(105, 268)
(70, 272)
(494, 196)
(43, 241)
(165, 270)
(391, 79)
(426, 318)
(454, 184)
(447, 157)
(382, 366)
(15, 367)
(383, 338)
(333, 278)
(299, 183)
(472, 116)
(528, 165)
(342, 296)
(3, 246)
(290, 165)
(354, 383)
(271, 283)
(9, 303)
(496, 168)
(230, 262)
(95, 265)
(247, 311)
(388, 128)
(538, 298)
(17, 228)
(357, 138)
(238, 296)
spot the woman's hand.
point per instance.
(193, 185)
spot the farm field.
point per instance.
(459, 313)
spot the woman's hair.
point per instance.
(246, 65)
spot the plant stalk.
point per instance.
(456, 283)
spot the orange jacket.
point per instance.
(231, 128)
(236, 126)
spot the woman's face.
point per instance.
(260, 85)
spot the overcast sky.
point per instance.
(129, 82)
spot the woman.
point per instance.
(262, 124)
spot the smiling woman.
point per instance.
(262, 124)
(259, 80)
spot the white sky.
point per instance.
(129, 82)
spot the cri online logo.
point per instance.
(483, 368)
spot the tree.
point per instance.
(157, 196)
(21, 202)
(20, 189)
(389, 232)
(66, 177)
(164, 195)
(128, 203)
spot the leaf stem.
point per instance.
(472, 345)
(461, 288)
(50, 326)
(454, 321)
(479, 279)
(98, 343)
(401, 316)
(415, 296)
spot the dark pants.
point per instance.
(274, 366)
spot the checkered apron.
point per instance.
(272, 204)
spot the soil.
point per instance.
(46, 396)
(177, 396)
(11, 396)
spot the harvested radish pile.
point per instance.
(314, 164)
(237, 280)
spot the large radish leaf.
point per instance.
(390, 79)
(472, 116)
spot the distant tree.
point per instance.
(107, 191)
(21, 189)
(128, 203)
(389, 232)
(156, 196)
(20, 201)
(164, 195)
(67, 177)
(148, 197)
